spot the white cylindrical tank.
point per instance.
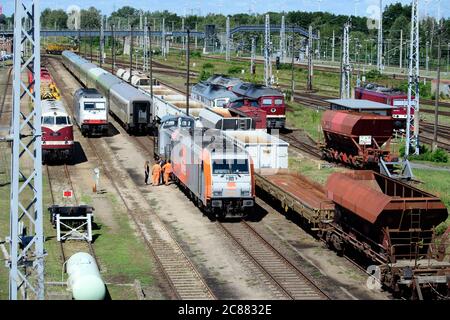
(84, 278)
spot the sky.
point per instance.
(202, 7)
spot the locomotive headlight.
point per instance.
(217, 193)
(245, 193)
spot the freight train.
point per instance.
(390, 96)
(216, 174)
(393, 225)
(56, 125)
(129, 105)
(356, 139)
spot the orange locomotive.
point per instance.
(217, 175)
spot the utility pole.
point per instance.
(183, 39)
(310, 60)
(195, 39)
(282, 39)
(253, 57)
(145, 44)
(267, 54)
(188, 70)
(113, 49)
(26, 237)
(413, 82)
(401, 49)
(332, 48)
(151, 62)
(292, 67)
(102, 41)
(163, 37)
(427, 59)
(380, 40)
(318, 44)
(437, 94)
(346, 67)
(131, 52)
(90, 43)
(227, 42)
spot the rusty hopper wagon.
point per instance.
(356, 139)
(393, 224)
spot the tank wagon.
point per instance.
(57, 131)
(393, 224)
(356, 139)
(216, 174)
(129, 105)
(90, 111)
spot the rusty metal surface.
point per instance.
(369, 195)
(357, 124)
(306, 191)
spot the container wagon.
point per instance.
(356, 139)
(90, 112)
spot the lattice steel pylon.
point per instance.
(253, 56)
(282, 39)
(309, 84)
(102, 40)
(413, 82)
(346, 67)
(227, 41)
(26, 240)
(267, 54)
(163, 37)
(146, 42)
(380, 40)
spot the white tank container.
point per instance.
(84, 278)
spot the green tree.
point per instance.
(90, 18)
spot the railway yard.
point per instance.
(189, 180)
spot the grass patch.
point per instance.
(311, 169)
(305, 118)
(437, 183)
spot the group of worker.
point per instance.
(161, 172)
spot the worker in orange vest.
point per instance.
(167, 168)
(156, 171)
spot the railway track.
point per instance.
(294, 142)
(291, 281)
(5, 92)
(60, 174)
(183, 279)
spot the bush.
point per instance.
(439, 155)
(234, 70)
(207, 65)
(373, 75)
(204, 75)
(196, 54)
(285, 66)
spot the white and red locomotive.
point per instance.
(57, 132)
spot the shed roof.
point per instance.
(359, 104)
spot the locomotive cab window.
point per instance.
(48, 120)
(278, 102)
(60, 120)
(234, 167)
(267, 101)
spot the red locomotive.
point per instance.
(269, 100)
(390, 96)
(57, 131)
(356, 139)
